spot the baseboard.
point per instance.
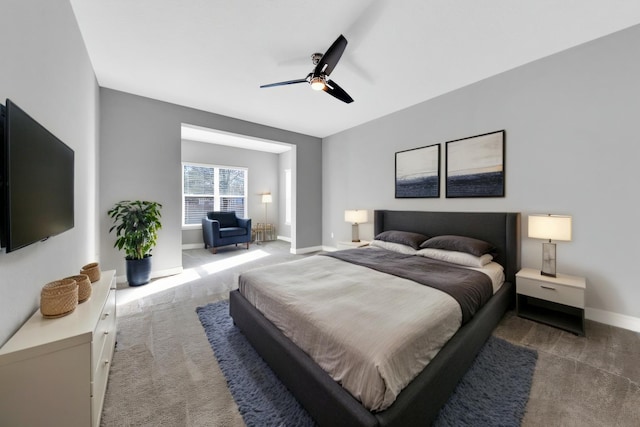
(155, 274)
(201, 245)
(613, 319)
(193, 246)
(301, 251)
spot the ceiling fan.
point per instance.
(324, 65)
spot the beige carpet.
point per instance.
(164, 373)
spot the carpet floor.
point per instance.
(163, 374)
(488, 394)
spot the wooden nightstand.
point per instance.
(351, 245)
(556, 301)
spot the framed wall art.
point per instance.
(418, 172)
(475, 166)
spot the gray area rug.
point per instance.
(494, 392)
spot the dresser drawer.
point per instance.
(100, 377)
(105, 328)
(104, 339)
(554, 292)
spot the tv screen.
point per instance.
(38, 181)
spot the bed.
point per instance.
(419, 402)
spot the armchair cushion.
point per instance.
(232, 231)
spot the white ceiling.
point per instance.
(214, 54)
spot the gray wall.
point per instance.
(45, 69)
(263, 178)
(572, 147)
(140, 158)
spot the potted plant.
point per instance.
(136, 224)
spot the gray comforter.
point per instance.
(470, 288)
(372, 332)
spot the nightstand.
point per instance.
(351, 245)
(556, 301)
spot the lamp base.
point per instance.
(354, 233)
(548, 259)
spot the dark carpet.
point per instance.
(494, 392)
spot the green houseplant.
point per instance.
(136, 224)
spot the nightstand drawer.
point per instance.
(548, 291)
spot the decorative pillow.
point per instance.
(460, 244)
(395, 247)
(403, 237)
(454, 257)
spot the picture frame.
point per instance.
(475, 166)
(417, 172)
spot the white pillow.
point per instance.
(454, 257)
(395, 247)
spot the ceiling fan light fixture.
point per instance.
(317, 83)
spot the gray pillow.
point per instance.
(461, 244)
(403, 237)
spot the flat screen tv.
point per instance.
(36, 181)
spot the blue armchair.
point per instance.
(225, 228)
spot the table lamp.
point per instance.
(551, 227)
(355, 217)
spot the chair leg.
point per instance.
(214, 250)
(247, 245)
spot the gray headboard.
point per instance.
(502, 229)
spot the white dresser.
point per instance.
(55, 371)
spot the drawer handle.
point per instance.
(106, 362)
(106, 315)
(106, 332)
(548, 287)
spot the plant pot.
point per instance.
(138, 271)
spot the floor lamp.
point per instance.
(266, 199)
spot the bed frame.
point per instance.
(418, 404)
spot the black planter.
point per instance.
(138, 271)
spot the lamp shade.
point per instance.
(266, 198)
(551, 227)
(355, 216)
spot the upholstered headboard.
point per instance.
(501, 229)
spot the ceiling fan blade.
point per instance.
(331, 57)
(360, 29)
(336, 91)
(288, 82)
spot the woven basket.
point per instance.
(92, 270)
(59, 298)
(84, 287)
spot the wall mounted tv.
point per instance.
(36, 181)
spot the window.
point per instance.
(287, 196)
(212, 188)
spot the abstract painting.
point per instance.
(475, 166)
(418, 172)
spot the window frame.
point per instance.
(287, 197)
(217, 196)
